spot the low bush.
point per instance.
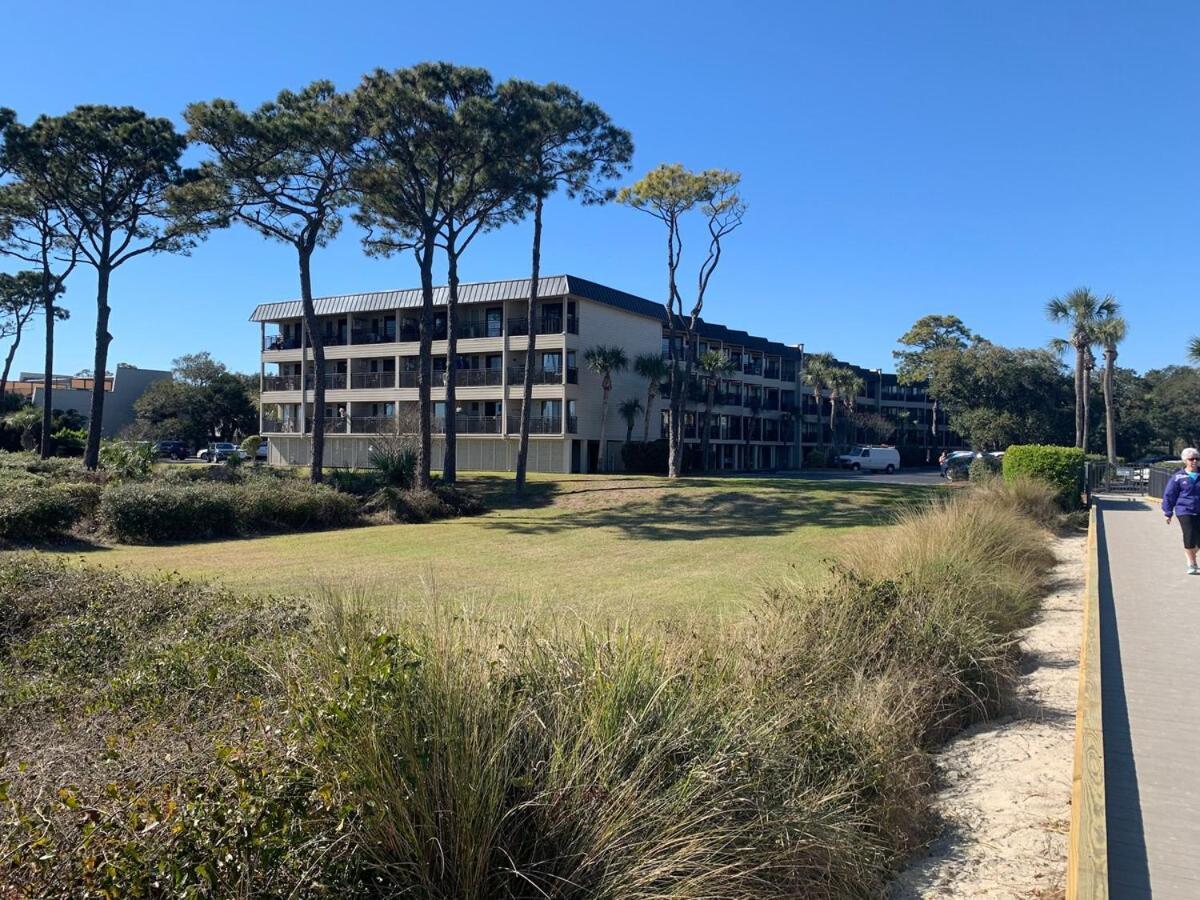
(983, 468)
(395, 459)
(251, 445)
(645, 458)
(1060, 467)
(140, 513)
(153, 513)
(441, 501)
(69, 441)
(34, 510)
(127, 461)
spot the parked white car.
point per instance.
(873, 459)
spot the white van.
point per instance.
(874, 459)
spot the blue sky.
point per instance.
(898, 158)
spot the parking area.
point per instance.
(915, 476)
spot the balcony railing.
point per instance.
(280, 426)
(478, 377)
(537, 425)
(572, 424)
(480, 328)
(279, 342)
(367, 380)
(373, 337)
(409, 380)
(281, 383)
(334, 381)
(752, 368)
(516, 375)
(771, 372)
(518, 325)
(413, 333)
(477, 424)
(334, 339)
(373, 425)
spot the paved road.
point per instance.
(907, 476)
(1150, 685)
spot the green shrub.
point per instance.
(395, 459)
(141, 513)
(983, 468)
(821, 458)
(35, 510)
(163, 511)
(251, 445)
(442, 501)
(648, 458)
(68, 441)
(272, 504)
(1060, 467)
(126, 460)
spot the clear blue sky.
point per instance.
(899, 158)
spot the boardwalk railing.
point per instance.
(1087, 854)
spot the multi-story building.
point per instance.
(763, 415)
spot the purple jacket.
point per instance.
(1182, 495)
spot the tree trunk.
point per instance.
(12, 352)
(1110, 415)
(531, 338)
(425, 366)
(48, 374)
(1079, 397)
(708, 403)
(1087, 398)
(91, 455)
(650, 395)
(450, 451)
(629, 432)
(601, 462)
(317, 343)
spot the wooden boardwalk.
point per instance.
(1150, 700)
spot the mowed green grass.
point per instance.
(623, 548)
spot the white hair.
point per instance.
(1189, 453)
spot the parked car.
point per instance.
(171, 449)
(956, 464)
(261, 453)
(872, 459)
(220, 452)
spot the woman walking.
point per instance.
(1181, 499)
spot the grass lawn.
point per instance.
(602, 547)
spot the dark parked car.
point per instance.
(171, 449)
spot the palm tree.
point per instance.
(604, 361)
(844, 388)
(1194, 350)
(653, 368)
(817, 370)
(629, 410)
(711, 366)
(1083, 310)
(1109, 333)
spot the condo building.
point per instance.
(764, 417)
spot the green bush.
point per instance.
(1060, 467)
(982, 468)
(142, 513)
(68, 441)
(157, 512)
(648, 458)
(274, 504)
(251, 445)
(395, 459)
(126, 460)
(36, 509)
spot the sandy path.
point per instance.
(1005, 787)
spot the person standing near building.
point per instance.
(1181, 499)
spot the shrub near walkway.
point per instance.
(455, 757)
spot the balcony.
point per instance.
(280, 426)
(537, 425)
(369, 380)
(771, 371)
(753, 367)
(479, 377)
(480, 328)
(334, 339)
(409, 380)
(372, 337)
(477, 424)
(516, 375)
(281, 383)
(334, 381)
(518, 325)
(279, 342)
(373, 425)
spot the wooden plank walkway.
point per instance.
(1150, 665)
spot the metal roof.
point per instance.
(514, 289)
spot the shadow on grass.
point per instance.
(702, 508)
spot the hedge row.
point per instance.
(1060, 467)
(32, 510)
(154, 513)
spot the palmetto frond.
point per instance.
(1194, 350)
